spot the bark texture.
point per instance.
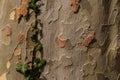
(63, 34)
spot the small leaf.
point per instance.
(34, 38)
(22, 68)
(35, 73)
(33, 25)
(32, 5)
(38, 20)
(27, 78)
(27, 74)
(38, 32)
(25, 67)
(19, 67)
(37, 60)
(38, 47)
(42, 63)
(35, 1)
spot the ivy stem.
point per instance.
(34, 53)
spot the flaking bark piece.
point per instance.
(74, 8)
(88, 40)
(18, 14)
(21, 37)
(8, 65)
(8, 30)
(61, 42)
(74, 1)
(12, 15)
(25, 1)
(24, 9)
(17, 52)
(74, 5)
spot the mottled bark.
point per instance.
(63, 35)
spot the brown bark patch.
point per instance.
(12, 15)
(18, 14)
(61, 42)
(24, 10)
(88, 40)
(74, 5)
(8, 30)
(21, 37)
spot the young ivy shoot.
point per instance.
(32, 69)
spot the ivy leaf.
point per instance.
(19, 67)
(22, 68)
(25, 68)
(42, 63)
(32, 5)
(27, 78)
(36, 9)
(34, 38)
(35, 73)
(33, 25)
(39, 32)
(37, 60)
(38, 47)
(34, 1)
(38, 20)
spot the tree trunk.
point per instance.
(82, 45)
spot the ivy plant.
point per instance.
(32, 69)
(33, 6)
(31, 73)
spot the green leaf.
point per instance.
(35, 72)
(27, 78)
(42, 63)
(36, 9)
(32, 5)
(25, 68)
(37, 60)
(38, 32)
(33, 25)
(38, 20)
(34, 1)
(38, 47)
(34, 38)
(19, 67)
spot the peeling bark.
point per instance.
(67, 57)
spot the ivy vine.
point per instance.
(32, 69)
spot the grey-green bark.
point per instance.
(99, 61)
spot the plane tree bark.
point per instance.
(80, 40)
